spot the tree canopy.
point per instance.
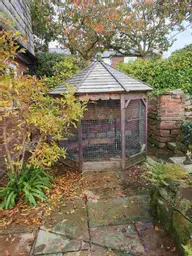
(44, 25)
(136, 28)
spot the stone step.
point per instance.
(172, 146)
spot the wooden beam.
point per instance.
(80, 144)
(75, 145)
(122, 131)
(99, 96)
(127, 103)
(101, 141)
(135, 95)
(144, 100)
(146, 123)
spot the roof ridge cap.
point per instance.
(91, 66)
(130, 76)
(104, 65)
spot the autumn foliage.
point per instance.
(88, 26)
(133, 28)
(32, 124)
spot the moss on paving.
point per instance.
(119, 211)
(175, 171)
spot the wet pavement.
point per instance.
(106, 219)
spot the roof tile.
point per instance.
(100, 77)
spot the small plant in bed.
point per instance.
(159, 173)
(30, 185)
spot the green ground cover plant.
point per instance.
(30, 185)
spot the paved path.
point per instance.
(107, 219)
(104, 222)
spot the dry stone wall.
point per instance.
(172, 206)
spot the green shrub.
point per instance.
(164, 74)
(48, 64)
(62, 71)
(188, 250)
(30, 184)
(46, 61)
(56, 68)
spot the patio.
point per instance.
(108, 218)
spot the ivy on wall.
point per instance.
(186, 130)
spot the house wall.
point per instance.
(19, 13)
(116, 60)
(165, 115)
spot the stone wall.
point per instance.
(188, 108)
(171, 204)
(166, 114)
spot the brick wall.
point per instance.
(166, 114)
(116, 60)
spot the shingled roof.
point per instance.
(99, 77)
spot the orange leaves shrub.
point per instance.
(33, 121)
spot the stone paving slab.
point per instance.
(69, 219)
(100, 251)
(53, 243)
(54, 254)
(106, 179)
(122, 238)
(80, 253)
(155, 240)
(16, 245)
(18, 229)
(104, 223)
(104, 193)
(118, 211)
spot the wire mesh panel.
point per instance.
(135, 128)
(101, 131)
(71, 144)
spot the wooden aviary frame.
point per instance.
(113, 131)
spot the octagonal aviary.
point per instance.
(113, 131)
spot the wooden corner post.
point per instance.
(145, 102)
(123, 131)
(80, 145)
